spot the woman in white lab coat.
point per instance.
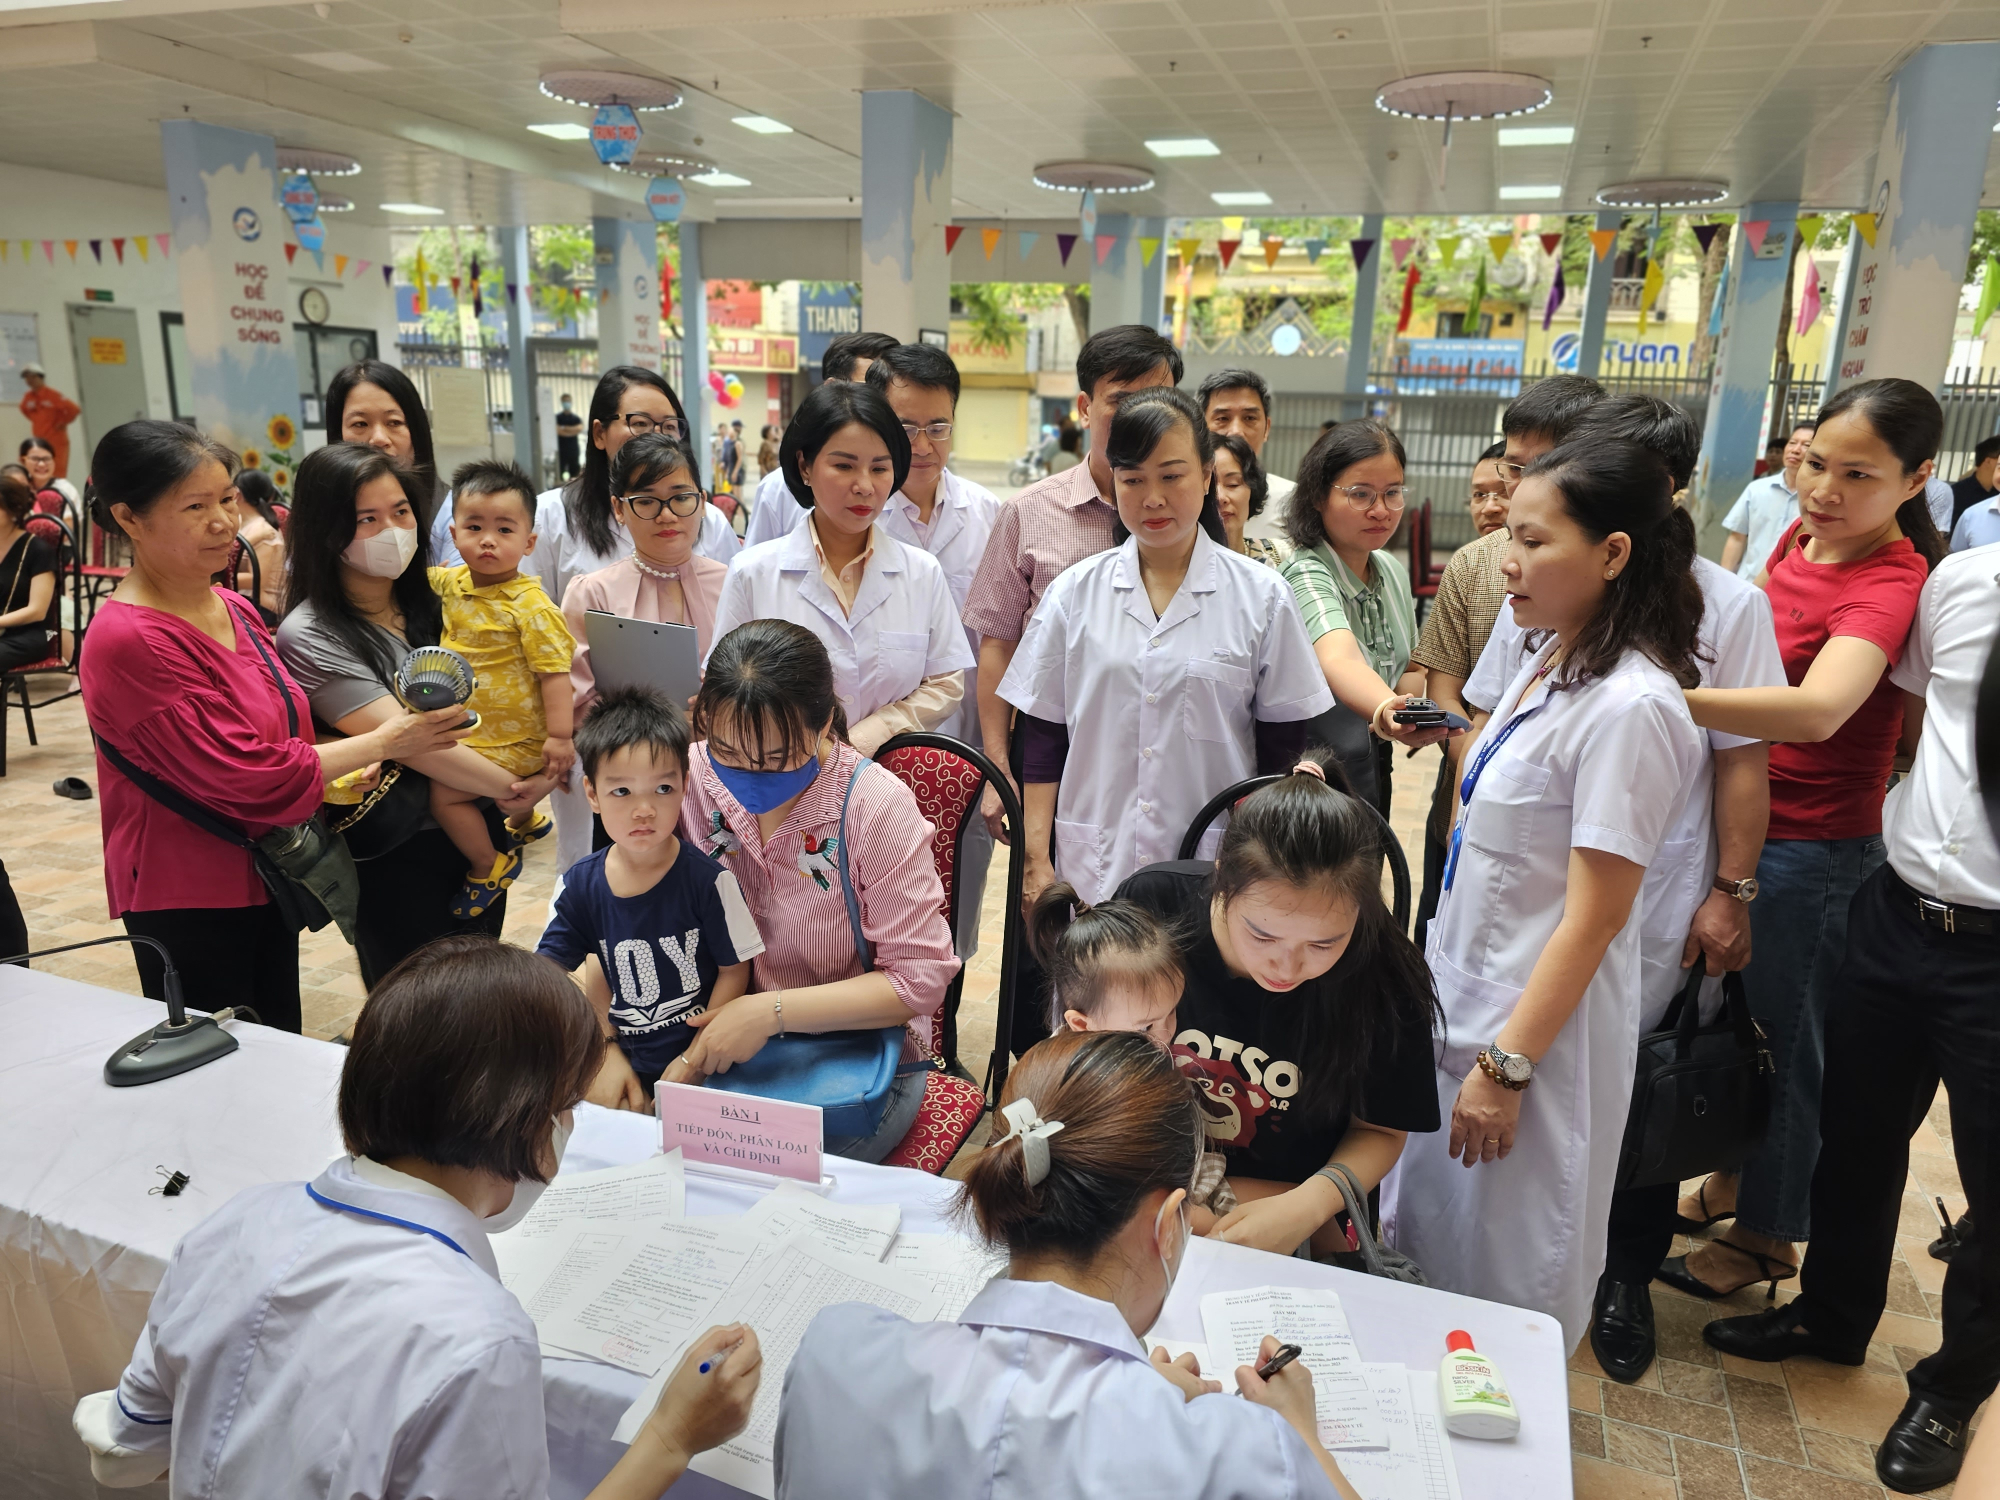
(1041, 1387)
(1577, 779)
(261, 1368)
(883, 607)
(1156, 674)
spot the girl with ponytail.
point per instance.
(1569, 793)
(1084, 1188)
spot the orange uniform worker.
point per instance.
(49, 413)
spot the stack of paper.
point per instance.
(1417, 1463)
(1236, 1323)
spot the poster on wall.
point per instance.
(20, 344)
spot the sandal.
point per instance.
(73, 787)
(1675, 1273)
(1685, 1225)
(475, 896)
(537, 827)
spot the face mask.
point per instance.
(383, 555)
(527, 1192)
(761, 791)
(1187, 1233)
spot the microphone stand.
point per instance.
(178, 1044)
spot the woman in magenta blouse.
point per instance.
(182, 680)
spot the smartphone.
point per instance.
(1427, 715)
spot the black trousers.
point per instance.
(13, 926)
(225, 955)
(1641, 1232)
(406, 898)
(1912, 1006)
(19, 648)
(1434, 857)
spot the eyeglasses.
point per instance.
(1509, 473)
(639, 424)
(937, 432)
(1488, 497)
(1367, 497)
(647, 507)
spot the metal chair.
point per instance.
(15, 680)
(1392, 847)
(241, 552)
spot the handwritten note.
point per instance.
(1236, 1322)
(647, 1192)
(741, 1130)
(639, 1303)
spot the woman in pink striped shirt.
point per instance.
(764, 795)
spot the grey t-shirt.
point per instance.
(335, 678)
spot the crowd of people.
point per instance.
(1672, 766)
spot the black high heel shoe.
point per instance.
(1695, 1226)
(1675, 1273)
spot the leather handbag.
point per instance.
(384, 820)
(848, 1074)
(1701, 1098)
(1369, 1256)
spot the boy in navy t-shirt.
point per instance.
(662, 929)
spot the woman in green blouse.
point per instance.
(1355, 596)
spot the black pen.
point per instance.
(1285, 1355)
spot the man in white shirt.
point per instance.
(775, 512)
(1765, 508)
(1916, 1002)
(1239, 401)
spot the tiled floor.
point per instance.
(1698, 1427)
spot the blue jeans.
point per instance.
(1798, 934)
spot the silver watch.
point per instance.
(1514, 1069)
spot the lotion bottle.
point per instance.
(1472, 1394)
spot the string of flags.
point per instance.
(142, 244)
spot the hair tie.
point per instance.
(1309, 768)
(1033, 1132)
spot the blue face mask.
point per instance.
(761, 791)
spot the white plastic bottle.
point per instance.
(1472, 1394)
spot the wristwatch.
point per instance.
(1744, 890)
(1511, 1070)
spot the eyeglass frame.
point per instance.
(1481, 496)
(632, 502)
(1381, 497)
(654, 424)
(929, 430)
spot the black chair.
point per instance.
(14, 681)
(1392, 847)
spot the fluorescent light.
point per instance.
(1532, 190)
(1196, 145)
(409, 208)
(566, 131)
(720, 179)
(763, 125)
(1537, 135)
(1241, 200)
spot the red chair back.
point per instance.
(947, 788)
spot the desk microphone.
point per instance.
(178, 1044)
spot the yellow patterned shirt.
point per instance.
(511, 634)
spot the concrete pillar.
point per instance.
(229, 250)
(1123, 289)
(514, 264)
(693, 296)
(1597, 299)
(1928, 173)
(1843, 308)
(905, 207)
(628, 287)
(1361, 334)
(1732, 439)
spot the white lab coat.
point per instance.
(903, 628)
(1604, 766)
(1738, 649)
(558, 556)
(775, 512)
(1035, 1392)
(961, 521)
(1161, 710)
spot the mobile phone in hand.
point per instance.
(1425, 714)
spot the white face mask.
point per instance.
(1187, 1233)
(527, 1192)
(383, 555)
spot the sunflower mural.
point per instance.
(282, 435)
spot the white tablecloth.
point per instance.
(83, 1243)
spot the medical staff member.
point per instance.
(1572, 789)
(774, 515)
(883, 608)
(1087, 1190)
(1156, 674)
(350, 1335)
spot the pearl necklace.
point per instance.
(669, 575)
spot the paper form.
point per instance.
(1401, 1472)
(639, 1304)
(1236, 1322)
(1433, 1441)
(543, 1269)
(863, 1229)
(647, 1192)
(956, 1269)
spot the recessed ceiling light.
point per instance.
(341, 62)
(720, 179)
(1537, 135)
(1241, 200)
(1532, 190)
(409, 208)
(563, 132)
(1195, 145)
(763, 125)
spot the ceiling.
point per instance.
(1780, 98)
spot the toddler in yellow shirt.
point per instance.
(514, 637)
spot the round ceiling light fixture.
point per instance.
(591, 87)
(664, 164)
(333, 203)
(1480, 94)
(1663, 192)
(1093, 176)
(318, 163)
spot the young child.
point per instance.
(1113, 967)
(662, 929)
(520, 649)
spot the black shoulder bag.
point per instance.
(1702, 1095)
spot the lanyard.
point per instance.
(1471, 782)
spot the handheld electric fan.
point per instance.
(436, 677)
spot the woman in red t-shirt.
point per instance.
(1843, 582)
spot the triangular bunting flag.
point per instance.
(1064, 244)
(1704, 235)
(1809, 228)
(49, 250)
(1499, 244)
(951, 234)
(161, 241)
(1189, 250)
(1029, 238)
(1865, 223)
(1149, 246)
(1314, 249)
(1360, 250)
(1556, 290)
(514, 288)
(340, 265)
(1409, 300)
(1227, 250)
(1401, 250)
(1104, 244)
(1551, 242)
(454, 288)
(1448, 248)
(291, 251)
(70, 246)
(990, 240)
(1754, 231)
(118, 245)
(97, 249)
(388, 275)
(361, 267)
(138, 243)
(1274, 246)
(1601, 241)
(1649, 289)
(1809, 303)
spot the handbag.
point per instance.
(1370, 1256)
(305, 867)
(848, 1074)
(393, 811)
(1702, 1095)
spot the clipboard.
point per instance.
(643, 653)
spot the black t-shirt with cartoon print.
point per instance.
(1225, 1036)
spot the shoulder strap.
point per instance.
(284, 692)
(846, 882)
(169, 797)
